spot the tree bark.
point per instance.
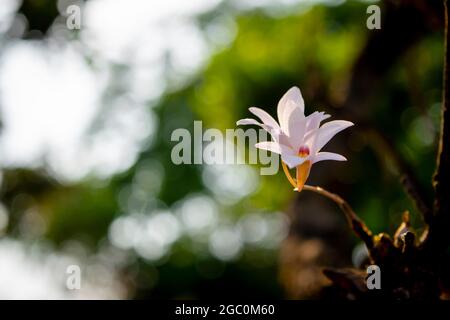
(438, 232)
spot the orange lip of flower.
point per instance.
(302, 170)
(302, 174)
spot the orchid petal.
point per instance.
(293, 161)
(266, 118)
(291, 99)
(287, 154)
(282, 138)
(314, 119)
(296, 128)
(312, 125)
(322, 156)
(310, 140)
(275, 147)
(275, 133)
(328, 131)
(248, 121)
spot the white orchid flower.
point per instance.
(298, 139)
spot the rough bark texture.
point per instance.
(438, 232)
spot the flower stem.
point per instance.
(357, 225)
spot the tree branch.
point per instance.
(441, 221)
(357, 225)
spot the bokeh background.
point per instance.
(86, 117)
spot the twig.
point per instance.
(441, 220)
(357, 225)
(407, 177)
